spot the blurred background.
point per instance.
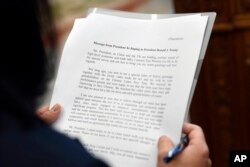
(66, 11)
(221, 103)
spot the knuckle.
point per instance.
(204, 151)
(198, 128)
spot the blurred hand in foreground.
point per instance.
(49, 115)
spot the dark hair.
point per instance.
(26, 63)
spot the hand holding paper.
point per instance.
(123, 82)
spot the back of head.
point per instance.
(24, 63)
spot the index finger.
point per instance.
(196, 138)
(194, 132)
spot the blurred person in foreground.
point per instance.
(26, 66)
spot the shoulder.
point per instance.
(42, 146)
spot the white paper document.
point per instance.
(124, 82)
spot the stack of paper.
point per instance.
(125, 79)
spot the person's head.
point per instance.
(24, 63)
